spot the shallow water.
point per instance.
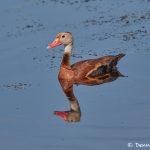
(113, 114)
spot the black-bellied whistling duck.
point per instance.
(82, 71)
(87, 72)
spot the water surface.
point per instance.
(113, 114)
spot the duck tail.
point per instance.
(120, 74)
(119, 56)
(116, 59)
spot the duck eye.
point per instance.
(63, 36)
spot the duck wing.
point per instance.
(95, 67)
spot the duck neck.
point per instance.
(74, 105)
(67, 53)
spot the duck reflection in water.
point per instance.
(74, 114)
(87, 72)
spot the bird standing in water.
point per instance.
(82, 71)
(87, 72)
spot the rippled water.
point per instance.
(113, 114)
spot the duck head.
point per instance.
(62, 38)
(69, 116)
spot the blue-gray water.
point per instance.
(113, 114)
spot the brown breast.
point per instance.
(66, 73)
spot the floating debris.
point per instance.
(16, 86)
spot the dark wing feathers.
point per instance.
(107, 66)
(96, 67)
(99, 71)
